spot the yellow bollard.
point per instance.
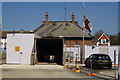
(77, 68)
(68, 64)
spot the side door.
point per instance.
(27, 43)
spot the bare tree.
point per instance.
(97, 35)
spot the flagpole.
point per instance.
(86, 26)
(83, 52)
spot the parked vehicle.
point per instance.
(98, 61)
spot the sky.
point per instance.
(29, 15)
(0, 15)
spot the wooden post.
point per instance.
(64, 55)
(35, 52)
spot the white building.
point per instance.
(103, 40)
(19, 48)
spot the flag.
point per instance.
(87, 24)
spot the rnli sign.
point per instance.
(17, 49)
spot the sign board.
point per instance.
(17, 49)
(103, 50)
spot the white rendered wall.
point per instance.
(25, 42)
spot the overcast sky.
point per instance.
(28, 15)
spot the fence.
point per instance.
(102, 49)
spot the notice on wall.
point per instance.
(17, 49)
(103, 50)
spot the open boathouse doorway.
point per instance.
(50, 50)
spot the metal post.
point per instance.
(119, 65)
(115, 62)
(91, 66)
(78, 54)
(83, 54)
(76, 59)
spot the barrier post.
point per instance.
(77, 66)
(115, 62)
(91, 73)
(119, 65)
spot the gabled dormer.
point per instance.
(103, 40)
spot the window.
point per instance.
(94, 56)
(69, 54)
(103, 41)
(77, 43)
(104, 57)
(64, 42)
(91, 56)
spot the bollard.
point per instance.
(119, 65)
(67, 63)
(77, 68)
(115, 62)
(91, 74)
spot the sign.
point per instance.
(17, 49)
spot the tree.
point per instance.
(119, 38)
(97, 35)
(115, 39)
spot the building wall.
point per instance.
(103, 45)
(77, 42)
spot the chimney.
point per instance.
(73, 17)
(46, 17)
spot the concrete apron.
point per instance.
(6, 66)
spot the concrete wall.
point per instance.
(25, 43)
(102, 49)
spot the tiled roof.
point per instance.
(60, 28)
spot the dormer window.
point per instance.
(103, 41)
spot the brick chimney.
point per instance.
(73, 17)
(46, 17)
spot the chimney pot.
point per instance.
(46, 17)
(73, 17)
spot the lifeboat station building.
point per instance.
(49, 43)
